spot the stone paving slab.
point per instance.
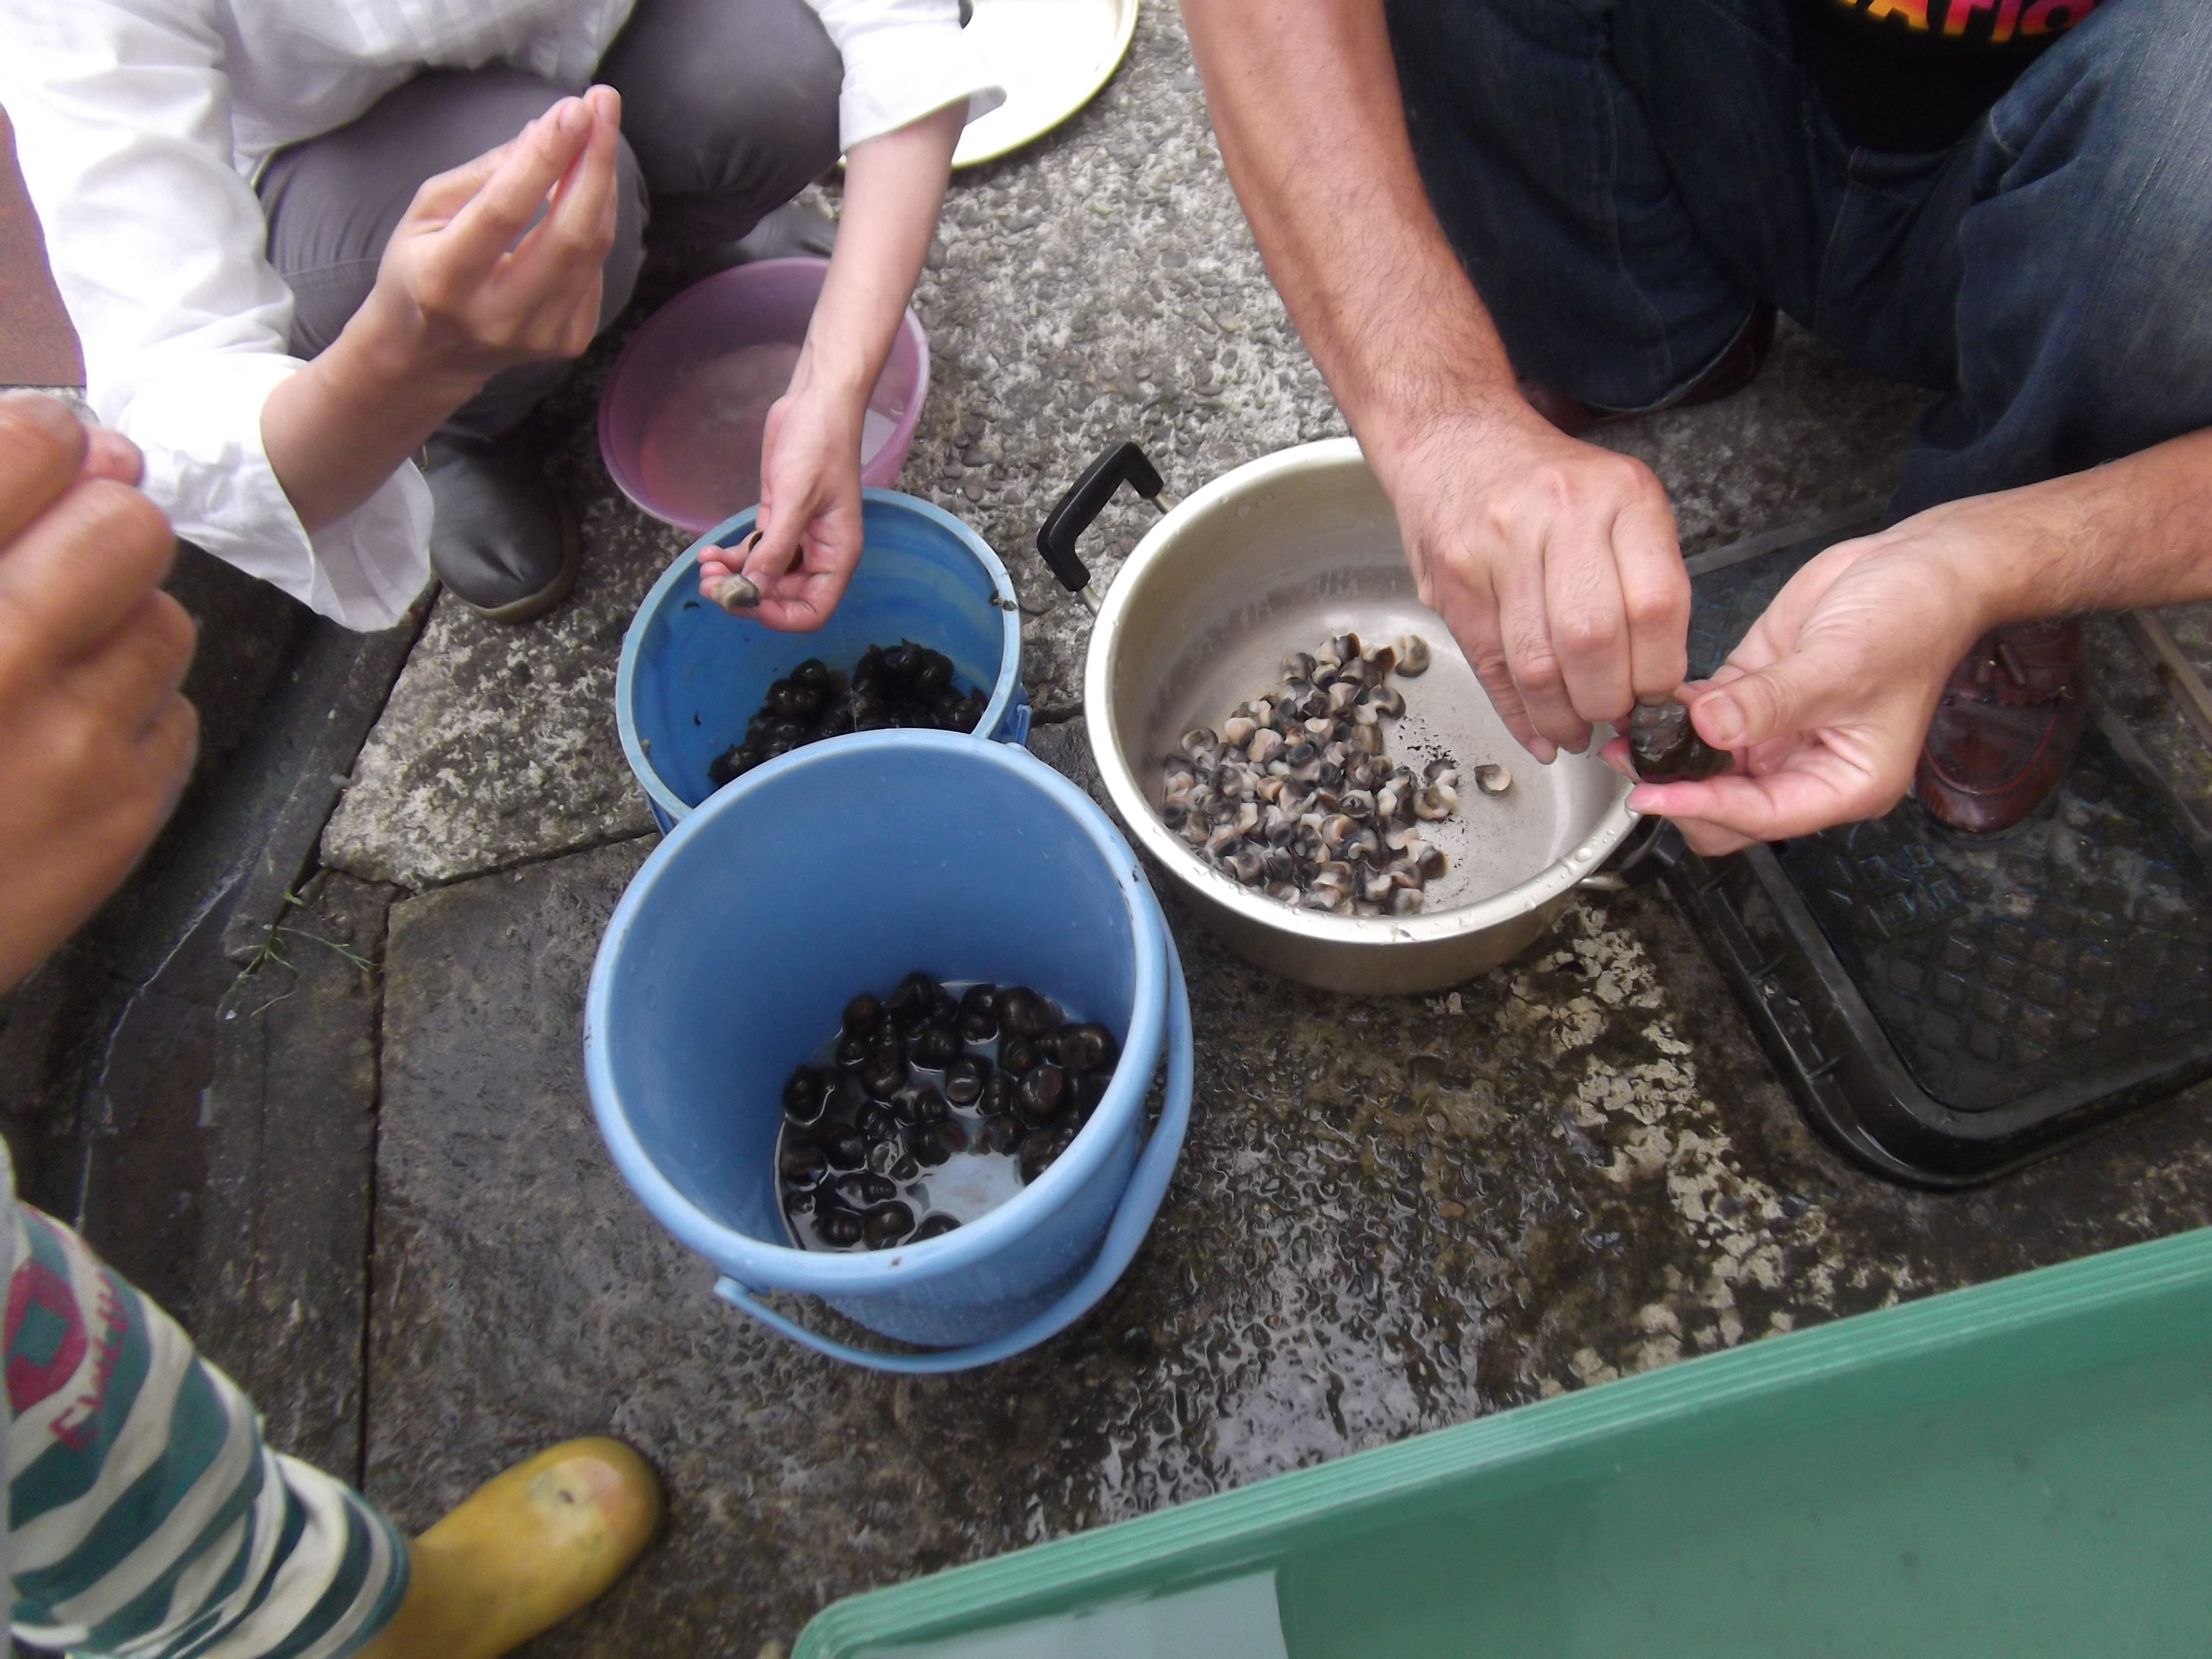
(1391, 1215)
(1100, 285)
(281, 1270)
(129, 1015)
(499, 743)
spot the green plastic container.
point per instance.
(2024, 1467)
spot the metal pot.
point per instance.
(1274, 557)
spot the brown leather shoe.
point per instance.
(2006, 728)
(1736, 367)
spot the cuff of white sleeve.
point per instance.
(375, 562)
(897, 72)
(206, 468)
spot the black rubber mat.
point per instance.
(1947, 1007)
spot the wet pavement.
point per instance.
(1391, 1214)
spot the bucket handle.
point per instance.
(1133, 1219)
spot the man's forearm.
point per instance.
(1305, 103)
(2136, 532)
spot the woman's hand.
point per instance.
(810, 515)
(468, 286)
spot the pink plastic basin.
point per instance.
(684, 406)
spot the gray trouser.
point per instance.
(729, 109)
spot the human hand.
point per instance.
(809, 535)
(96, 740)
(469, 286)
(1828, 700)
(1553, 562)
(808, 529)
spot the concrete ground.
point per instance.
(368, 1169)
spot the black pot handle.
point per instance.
(1085, 500)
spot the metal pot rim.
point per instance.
(1136, 810)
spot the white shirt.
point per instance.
(140, 124)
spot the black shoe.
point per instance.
(792, 229)
(505, 544)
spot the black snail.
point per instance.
(917, 1078)
(1665, 747)
(904, 685)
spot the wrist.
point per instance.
(2006, 556)
(335, 431)
(1438, 366)
(371, 365)
(1469, 424)
(833, 380)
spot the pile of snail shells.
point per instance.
(1296, 795)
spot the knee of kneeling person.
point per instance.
(2109, 126)
(754, 126)
(2125, 85)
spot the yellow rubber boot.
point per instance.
(523, 1552)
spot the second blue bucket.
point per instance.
(691, 674)
(839, 867)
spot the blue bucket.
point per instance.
(841, 867)
(692, 674)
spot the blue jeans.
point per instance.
(1624, 180)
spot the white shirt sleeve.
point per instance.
(904, 58)
(122, 117)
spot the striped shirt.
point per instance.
(145, 1514)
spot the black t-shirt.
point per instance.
(1914, 75)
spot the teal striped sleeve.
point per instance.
(145, 1516)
